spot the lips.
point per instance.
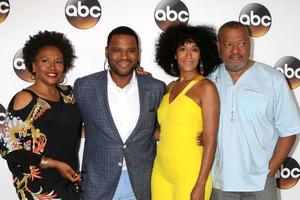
(124, 63)
(188, 62)
(236, 57)
(54, 75)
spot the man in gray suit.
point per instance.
(118, 108)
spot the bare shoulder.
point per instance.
(170, 86)
(205, 84)
(22, 99)
(205, 87)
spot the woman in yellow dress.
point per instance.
(189, 108)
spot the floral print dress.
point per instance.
(42, 128)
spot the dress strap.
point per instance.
(192, 83)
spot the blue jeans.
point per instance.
(124, 189)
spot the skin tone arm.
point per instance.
(282, 149)
(210, 111)
(66, 171)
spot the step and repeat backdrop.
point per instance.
(275, 27)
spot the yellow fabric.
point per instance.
(178, 160)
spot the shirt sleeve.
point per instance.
(286, 111)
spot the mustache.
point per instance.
(236, 56)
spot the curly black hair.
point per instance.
(48, 38)
(175, 36)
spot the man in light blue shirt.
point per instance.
(259, 120)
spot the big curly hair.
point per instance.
(175, 36)
(48, 38)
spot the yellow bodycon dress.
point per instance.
(178, 160)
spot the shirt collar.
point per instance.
(132, 83)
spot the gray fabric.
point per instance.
(269, 193)
(104, 149)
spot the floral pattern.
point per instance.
(23, 135)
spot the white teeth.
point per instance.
(123, 64)
(54, 75)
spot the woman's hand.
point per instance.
(64, 169)
(198, 192)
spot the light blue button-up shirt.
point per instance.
(255, 111)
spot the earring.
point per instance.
(32, 76)
(63, 79)
(201, 67)
(105, 65)
(173, 68)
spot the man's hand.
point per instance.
(200, 140)
(140, 70)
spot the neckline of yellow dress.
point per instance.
(199, 77)
(185, 89)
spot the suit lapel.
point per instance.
(103, 92)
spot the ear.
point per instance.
(33, 67)
(218, 45)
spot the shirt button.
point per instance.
(120, 164)
(124, 146)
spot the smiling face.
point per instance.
(122, 54)
(234, 48)
(48, 66)
(188, 56)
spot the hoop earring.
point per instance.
(173, 68)
(32, 76)
(63, 80)
(105, 65)
(201, 67)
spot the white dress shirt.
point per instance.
(124, 106)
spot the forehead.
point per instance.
(188, 42)
(49, 50)
(233, 34)
(123, 40)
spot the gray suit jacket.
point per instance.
(104, 149)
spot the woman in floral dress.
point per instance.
(41, 133)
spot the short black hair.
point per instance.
(234, 25)
(48, 38)
(175, 36)
(123, 30)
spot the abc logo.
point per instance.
(2, 114)
(4, 9)
(83, 14)
(257, 17)
(288, 174)
(19, 67)
(170, 12)
(290, 67)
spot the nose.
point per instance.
(124, 54)
(235, 49)
(188, 54)
(52, 64)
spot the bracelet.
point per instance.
(44, 163)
